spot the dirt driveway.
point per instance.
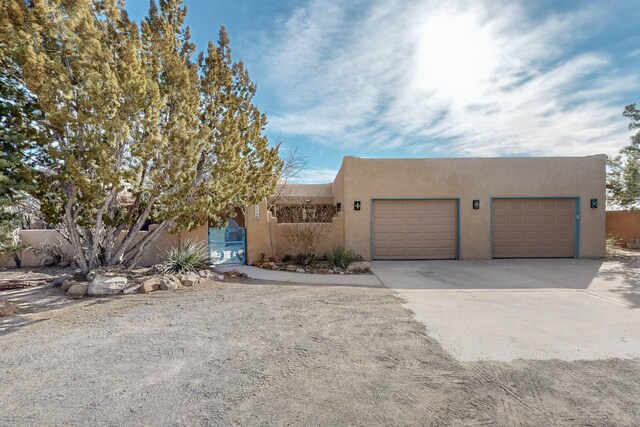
(249, 354)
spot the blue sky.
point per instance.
(431, 78)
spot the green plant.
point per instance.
(287, 258)
(190, 257)
(136, 126)
(341, 257)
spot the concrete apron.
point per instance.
(531, 309)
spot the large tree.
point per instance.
(624, 169)
(139, 129)
(19, 129)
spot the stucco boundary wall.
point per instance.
(623, 225)
(154, 253)
(331, 232)
(266, 237)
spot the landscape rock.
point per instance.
(58, 281)
(67, 284)
(329, 271)
(301, 270)
(107, 285)
(149, 285)
(219, 278)
(102, 271)
(170, 282)
(78, 290)
(269, 265)
(131, 289)
(358, 267)
(189, 281)
(206, 274)
(291, 267)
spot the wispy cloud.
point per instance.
(316, 176)
(459, 78)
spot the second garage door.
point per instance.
(415, 229)
(534, 228)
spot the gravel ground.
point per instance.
(274, 354)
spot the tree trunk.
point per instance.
(132, 257)
(17, 259)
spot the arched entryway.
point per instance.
(227, 246)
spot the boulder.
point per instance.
(301, 270)
(206, 274)
(269, 265)
(329, 271)
(107, 285)
(219, 278)
(78, 290)
(140, 280)
(58, 281)
(131, 289)
(149, 285)
(291, 267)
(358, 267)
(67, 284)
(189, 281)
(170, 282)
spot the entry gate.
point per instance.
(227, 245)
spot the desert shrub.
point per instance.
(287, 258)
(189, 257)
(341, 257)
(51, 254)
(304, 239)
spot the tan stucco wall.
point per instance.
(332, 236)
(469, 179)
(623, 225)
(154, 253)
(258, 237)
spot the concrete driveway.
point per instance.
(531, 309)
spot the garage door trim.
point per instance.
(456, 199)
(577, 230)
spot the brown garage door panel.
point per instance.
(534, 228)
(415, 229)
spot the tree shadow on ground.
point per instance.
(34, 302)
(624, 275)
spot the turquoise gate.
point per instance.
(227, 246)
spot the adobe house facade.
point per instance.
(461, 208)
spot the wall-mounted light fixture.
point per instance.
(338, 207)
(476, 204)
(357, 205)
(594, 203)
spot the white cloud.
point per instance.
(316, 176)
(457, 78)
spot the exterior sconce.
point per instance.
(357, 205)
(476, 204)
(338, 207)
(594, 203)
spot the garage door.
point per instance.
(415, 229)
(534, 228)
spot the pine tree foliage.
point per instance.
(139, 127)
(18, 131)
(624, 169)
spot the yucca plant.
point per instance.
(341, 257)
(189, 257)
